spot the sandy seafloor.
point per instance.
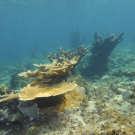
(108, 109)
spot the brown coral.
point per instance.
(47, 71)
(71, 99)
(50, 73)
(59, 96)
(38, 91)
(61, 64)
(10, 96)
(69, 54)
(50, 87)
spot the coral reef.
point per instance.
(10, 96)
(11, 119)
(65, 57)
(107, 109)
(101, 49)
(50, 87)
(103, 111)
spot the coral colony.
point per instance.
(59, 101)
(50, 87)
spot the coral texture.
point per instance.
(50, 86)
(38, 91)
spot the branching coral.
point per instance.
(68, 56)
(61, 64)
(50, 87)
(10, 96)
(101, 49)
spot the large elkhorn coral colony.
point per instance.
(50, 87)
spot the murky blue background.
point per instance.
(44, 25)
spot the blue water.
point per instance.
(44, 25)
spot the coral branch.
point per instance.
(102, 47)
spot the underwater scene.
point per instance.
(67, 67)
